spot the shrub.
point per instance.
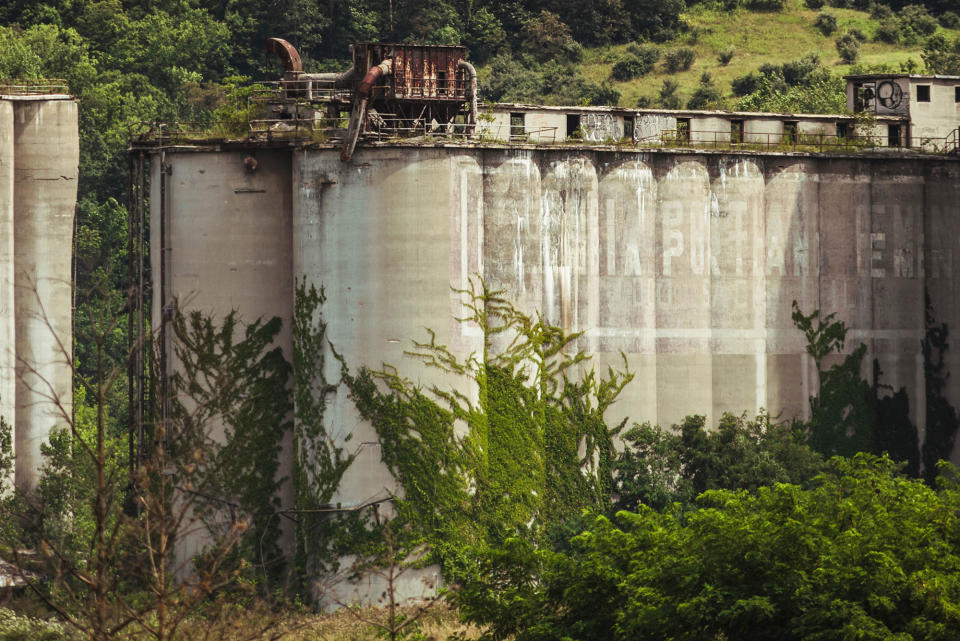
(705, 95)
(859, 35)
(795, 71)
(765, 5)
(638, 61)
(848, 47)
(826, 23)
(745, 84)
(646, 52)
(888, 31)
(815, 4)
(880, 11)
(628, 67)
(644, 102)
(679, 59)
(950, 20)
(600, 95)
(667, 97)
(917, 18)
(725, 56)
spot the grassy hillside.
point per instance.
(757, 38)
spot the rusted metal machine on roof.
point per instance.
(392, 90)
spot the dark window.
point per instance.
(790, 128)
(893, 135)
(683, 130)
(956, 94)
(843, 129)
(441, 83)
(628, 127)
(736, 131)
(573, 126)
(923, 93)
(517, 128)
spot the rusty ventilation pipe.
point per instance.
(360, 99)
(472, 76)
(293, 69)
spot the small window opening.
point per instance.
(843, 129)
(517, 126)
(923, 93)
(683, 130)
(441, 83)
(893, 135)
(573, 126)
(956, 93)
(736, 131)
(628, 127)
(790, 130)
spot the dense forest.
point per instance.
(839, 527)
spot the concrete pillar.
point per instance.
(8, 357)
(46, 160)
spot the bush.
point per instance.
(880, 11)
(917, 18)
(644, 102)
(745, 84)
(765, 5)
(648, 53)
(859, 35)
(679, 59)
(815, 4)
(725, 56)
(599, 95)
(705, 95)
(638, 61)
(628, 67)
(826, 23)
(848, 47)
(796, 71)
(667, 97)
(950, 20)
(888, 31)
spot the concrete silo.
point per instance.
(39, 161)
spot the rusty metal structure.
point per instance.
(391, 90)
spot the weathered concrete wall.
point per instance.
(228, 247)
(8, 356)
(687, 263)
(46, 160)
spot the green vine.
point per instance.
(530, 453)
(322, 532)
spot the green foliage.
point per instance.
(765, 5)
(14, 627)
(320, 459)
(820, 92)
(942, 56)
(679, 59)
(547, 38)
(237, 384)
(525, 80)
(630, 66)
(863, 553)
(529, 452)
(848, 46)
(725, 56)
(814, 4)
(826, 23)
(667, 96)
(658, 468)
(706, 94)
(942, 418)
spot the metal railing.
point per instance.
(796, 141)
(37, 87)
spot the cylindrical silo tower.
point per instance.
(7, 331)
(46, 159)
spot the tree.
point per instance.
(863, 552)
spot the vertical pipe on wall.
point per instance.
(7, 318)
(46, 159)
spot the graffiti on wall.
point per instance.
(652, 126)
(597, 127)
